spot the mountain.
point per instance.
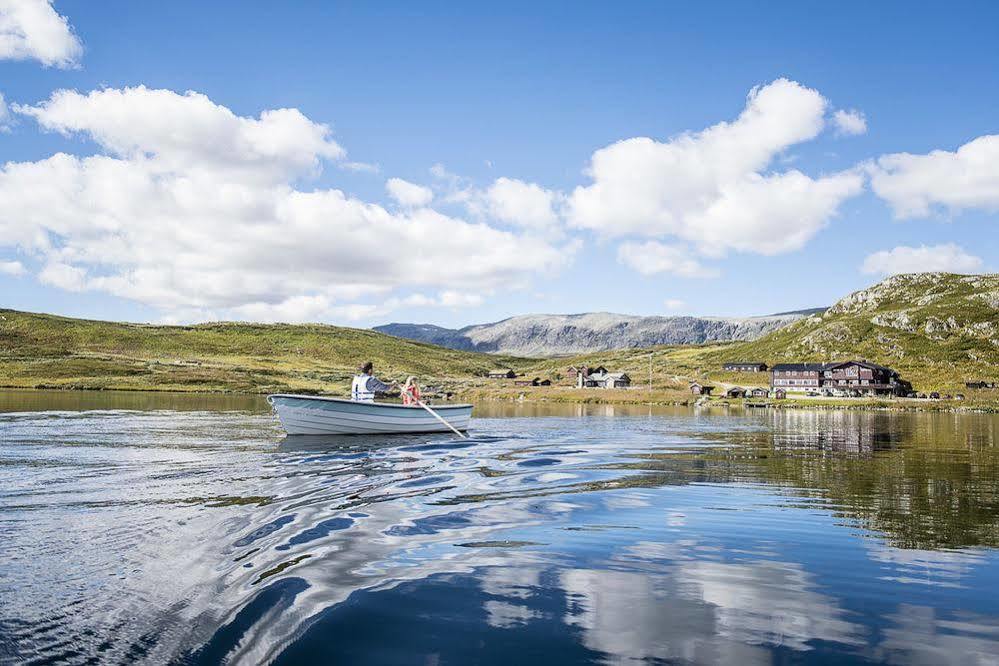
(46, 351)
(552, 335)
(936, 328)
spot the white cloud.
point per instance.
(674, 304)
(409, 194)
(925, 258)
(63, 276)
(914, 184)
(651, 258)
(14, 268)
(849, 123)
(522, 204)
(5, 118)
(190, 208)
(31, 29)
(711, 189)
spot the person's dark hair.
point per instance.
(367, 367)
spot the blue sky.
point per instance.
(517, 92)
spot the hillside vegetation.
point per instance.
(937, 329)
(45, 351)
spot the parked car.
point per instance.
(812, 394)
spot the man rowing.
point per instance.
(365, 385)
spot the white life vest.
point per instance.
(359, 389)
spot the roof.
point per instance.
(809, 367)
(866, 364)
(819, 367)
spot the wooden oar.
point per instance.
(441, 419)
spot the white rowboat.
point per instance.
(316, 415)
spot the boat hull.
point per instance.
(317, 415)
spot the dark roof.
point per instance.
(814, 367)
(820, 367)
(866, 364)
(745, 363)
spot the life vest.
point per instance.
(359, 389)
(411, 395)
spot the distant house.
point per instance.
(852, 377)
(502, 374)
(526, 382)
(605, 380)
(759, 392)
(584, 374)
(780, 394)
(545, 382)
(573, 371)
(745, 366)
(981, 385)
(696, 388)
(735, 392)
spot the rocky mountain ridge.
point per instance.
(541, 335)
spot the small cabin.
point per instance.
(544, 382)
(745, 366)
(696, 388)
(980, 385)
(759, 392)
(523, 381)
(617, 380)
(604, 380)
(502, 374)
(780, 394)
(735, 392)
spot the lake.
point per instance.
(187, 529)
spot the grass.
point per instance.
(45, 351)
(938, 330)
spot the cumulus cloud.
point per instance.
(522, 204)
(4, 114)
(914, 184)
(711, 188)
(14, 268)
(32, 29)
(652, 258)
(409, 194)
(190, 208)
(925, 258)
(849, 123)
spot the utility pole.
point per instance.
(650, 372)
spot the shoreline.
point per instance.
(560, 395)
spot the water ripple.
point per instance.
(207, 537)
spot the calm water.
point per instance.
(189, 530)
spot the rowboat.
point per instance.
(319, 415)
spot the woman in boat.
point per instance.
(411, 391)
(365, 386)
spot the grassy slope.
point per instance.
(937, 329)
(47, 351)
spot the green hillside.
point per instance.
(57, 352)
(938, 329)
